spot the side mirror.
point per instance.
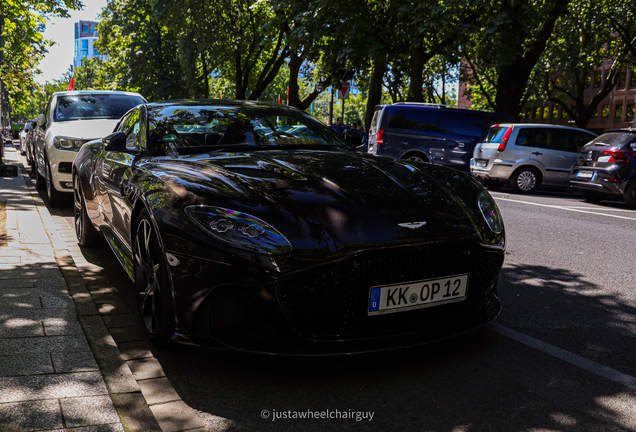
(115, 142)
(41, 120)
(352, 136)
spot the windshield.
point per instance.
(205, 128)
(94, 106)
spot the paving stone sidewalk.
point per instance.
(60, 366)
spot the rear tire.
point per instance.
(525, 180)
(630, 194)
(591, 196)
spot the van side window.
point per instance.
(422, 120)
(467, 124)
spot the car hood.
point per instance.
(339, 201)
(83, 129)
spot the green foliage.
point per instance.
(25, 46)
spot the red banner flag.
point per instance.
(221, 95)
(278, 98)
(71, 85)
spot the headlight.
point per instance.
(239, 230)
(490, 212)
(66, 143)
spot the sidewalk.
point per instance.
(71, 357)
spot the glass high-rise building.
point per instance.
(85, 36)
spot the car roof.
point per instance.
(216, 102)
(80, 92)
(425, 105)
(541, 125)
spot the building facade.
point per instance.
(615, 111)
(85, 36)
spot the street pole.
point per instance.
(331, 107)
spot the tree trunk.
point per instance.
(375, 87)
(417, 71)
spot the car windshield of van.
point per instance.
(94, 106)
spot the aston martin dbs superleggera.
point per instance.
(256, 227)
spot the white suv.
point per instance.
(70, 119)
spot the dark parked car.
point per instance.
(439, 134)
(253, 226)
(607, 167)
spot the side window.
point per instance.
(130, 127)
(578, 140)
(420, 120)
(553, 139)
(524, 137)
(462, 123)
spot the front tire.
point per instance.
(525, 180)
(154, 290)
(86, 233)
(55, 197)
(40, 182)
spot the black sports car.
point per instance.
(256, 227)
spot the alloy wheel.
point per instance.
(146, 257)
(526, 181)
(77, 209)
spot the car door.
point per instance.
(411, 131)
(115, 173)
(550, 149)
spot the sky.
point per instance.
(61, 30)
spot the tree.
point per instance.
(141, 50)
(25, 46)
(583, 43)
(511, 36)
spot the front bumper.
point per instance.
(323, 310)
(61, 162)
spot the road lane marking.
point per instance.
(566, 208)
(588, 365)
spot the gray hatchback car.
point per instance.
(527, 156)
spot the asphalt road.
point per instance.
(559, 358)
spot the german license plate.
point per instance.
(585, 174)
(417, 295)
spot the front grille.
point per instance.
(332, 301)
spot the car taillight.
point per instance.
(618, 155)
(504, 140)
(379, 140)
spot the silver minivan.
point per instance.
(527, 156)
